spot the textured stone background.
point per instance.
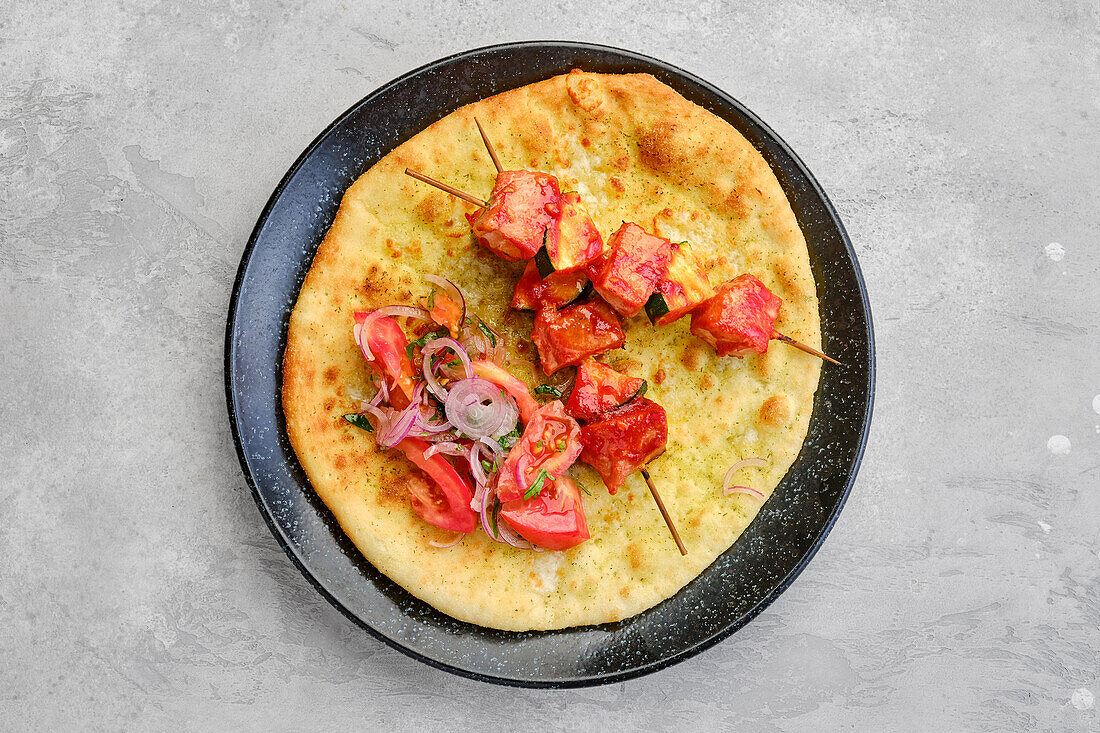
(139, 586)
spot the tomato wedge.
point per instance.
(502, 378)
(599, 388)
(446, 504)
(387, 345)
(554, 519)
(549, 443)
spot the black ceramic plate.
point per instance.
(740, 584)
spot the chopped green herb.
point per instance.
(510, 439)
(454, 363)
(488, 332)
(561, 445)
(584, 488)
(360, 421)
(431, 299)
(642, 390)
(536, 487)
(423, 340)
(547, 389)
(488, 467)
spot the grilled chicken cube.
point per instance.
(522, 215)
(572, 334)
(739, 319)
(627, 273)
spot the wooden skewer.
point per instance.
(664, 513)
(444, 187)
(802, 346)
(489, 146)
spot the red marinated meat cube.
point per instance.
(574, 333)
(628, 272)
(578, 242)
(558, 288)
(683, 290)
(739, 319)
(599, 389)
(624, 440)
(523, 212)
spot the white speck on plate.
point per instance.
(1096, 404)
(1082, 698)
(1058, 445)
(1045, 527)
(1055, 251)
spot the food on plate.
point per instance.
(682, 290)
(739, 319)
(514, 238)
(609, 149)
(572, 334)
(624, 440)
(627, 274)
(598, 389)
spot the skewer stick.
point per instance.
(444, 187)
(489, 146)
(802, 346)
(664, 513)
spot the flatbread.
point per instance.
(636, 151)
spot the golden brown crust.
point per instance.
(633, 148)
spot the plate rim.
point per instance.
(642, 669)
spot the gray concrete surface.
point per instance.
(140, 588)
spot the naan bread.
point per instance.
(636, 151)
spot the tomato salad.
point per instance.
(493, 456)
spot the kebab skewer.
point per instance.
(521, 202)
(576, 228)
(672, 283)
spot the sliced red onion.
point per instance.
(477, 343)
(445, 545)
(521, 471)
(401, 423)
(383, 419)
(452, 291)
(433, 427)
(431, 348)
(488, 495)
(510, 536)
(400, 427)
(475, 464)
(727, 489)
(496, 452)
(758, 462)
(479, 494)
(451, 449)
(730, 491)
(382, 394)
(467, 409)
